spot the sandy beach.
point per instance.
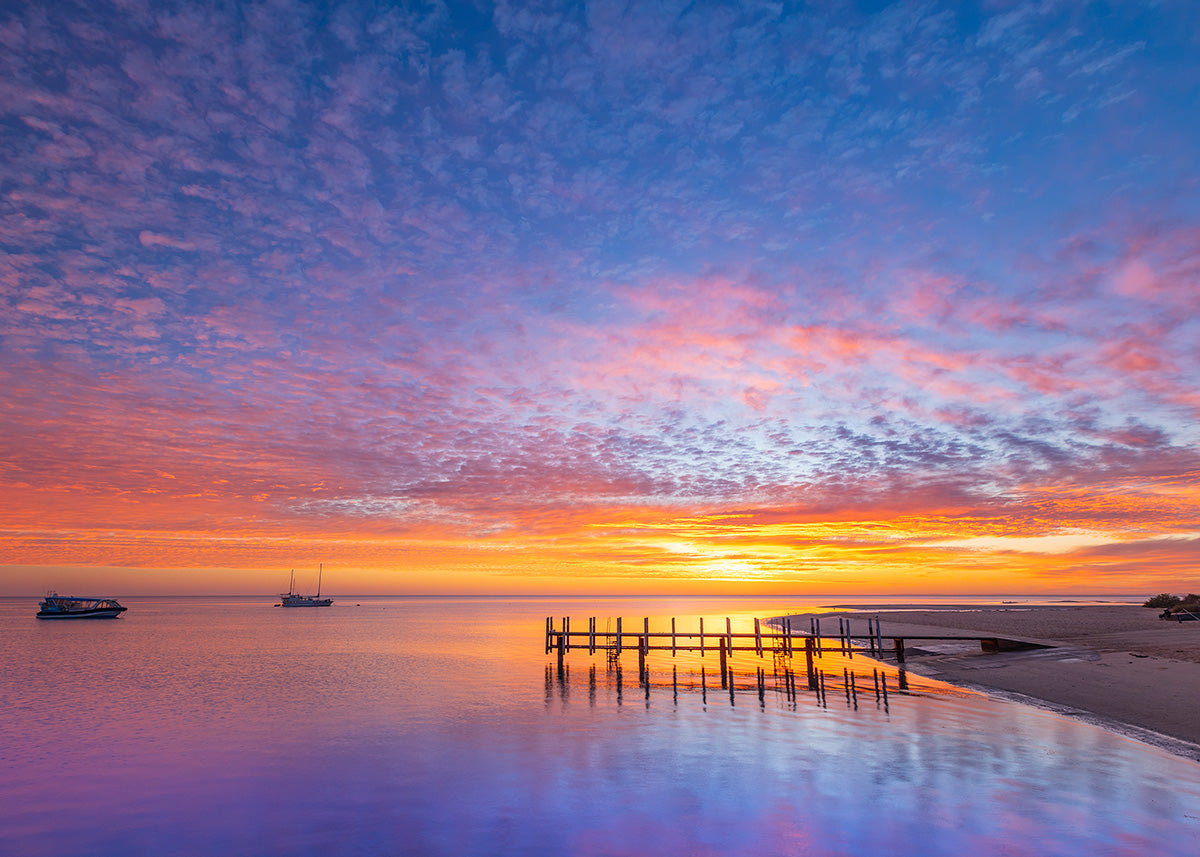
(1118, 665)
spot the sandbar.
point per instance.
(1116, 665)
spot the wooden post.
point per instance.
(808, 656)
(899, 643)
(567, 631)
(641, 658)
(592, 636)
(561, 644)
(878, 637)
(646, 631)
(701, 636)
(728, 637)
(757, 638)
(548, 625)
(618, 638)
(672, 636)
(721, 646)
(818, 631)
(849, 642)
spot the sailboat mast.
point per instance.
(320, 568)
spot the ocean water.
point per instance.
(440, 726)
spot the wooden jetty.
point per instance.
(781, 643)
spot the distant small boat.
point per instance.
(56, 606)
(294, 599)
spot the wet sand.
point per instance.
(1117, 665)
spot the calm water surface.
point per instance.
(440, 726)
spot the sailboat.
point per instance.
(294, 599)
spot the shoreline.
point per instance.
(1118, 666)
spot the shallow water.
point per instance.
(198, 726)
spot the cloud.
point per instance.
(152, 239)
(734, 276)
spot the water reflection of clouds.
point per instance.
(944, 771)
(433, 727)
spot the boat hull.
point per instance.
(293, 600)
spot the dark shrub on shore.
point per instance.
(1190, 602)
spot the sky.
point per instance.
(832, 297)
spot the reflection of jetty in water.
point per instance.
(828, 667)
